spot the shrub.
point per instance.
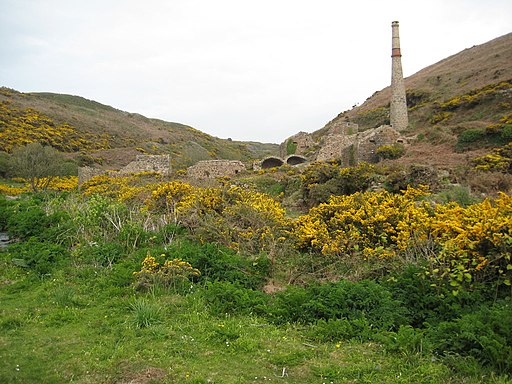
(227, 297)
(485, 335)
(471, 136)
(342, 329)
(171, 273)
(423, 301)
(394, 151)
(365, 300)
(218, 263)
(40, 257)
(322, 180)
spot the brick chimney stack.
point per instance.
(398, 104)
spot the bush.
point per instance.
(26, 218)
(322, 180)
(394, 151)
(227, 297)
(218, 263)
(423, 302)
(364, 300)
(342, 329)
(485, 335)
(41, 257)
(471, 136)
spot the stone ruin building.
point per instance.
(143, 163)
(341, 140)
(208, 169)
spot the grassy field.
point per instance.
(78, 326)
(93, 290)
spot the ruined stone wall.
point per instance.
(336, 147)
(353, 149)
(143, 163)
(208, 169)
(338, 127)
(149, 163)
(301, 143)
(86, 173)
(370, 141)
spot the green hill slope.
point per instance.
(460, 103)
(109, 136)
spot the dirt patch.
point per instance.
(149, 375)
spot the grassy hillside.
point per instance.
(471, 90)
(122, 134)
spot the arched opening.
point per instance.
(272, 162)
(295, 160)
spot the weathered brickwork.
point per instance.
(143, 163)
(346, 144)
(398, 103)
(299, 143)
(149, 163)
(208, 169)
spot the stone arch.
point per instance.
(295, 160)
(272, 162)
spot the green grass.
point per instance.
(73, 327)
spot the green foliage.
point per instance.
(38, 164)
(394, 151)
(227, 297)
(485, 334)
(218, 263)
(343, 300)
(343, 329)
(40, 257)
(322, 180)
(291, 147)
(424, 302)
(4, 164)
(470, 136)
(27, 219)
(145, 313)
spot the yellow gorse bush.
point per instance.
(460, 245)
(19, 127)
(368, 223)
(57, 183)
(170, 273)
(470, 245)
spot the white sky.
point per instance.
(258, 70)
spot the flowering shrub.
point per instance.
(499, 160)
(24, 126)
(367, 224)
(476, 242)
(173, 273)
(464, 246)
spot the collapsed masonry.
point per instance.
(210, 169)
(344, 142)
(143, 163)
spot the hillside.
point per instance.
(123, 135)
(470, 90)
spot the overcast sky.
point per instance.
(258, 70)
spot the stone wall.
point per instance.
(353, 149)
(336, 147)
(208, 169)
(86, 173)
(142, 163)
(370, 140)
(149, 163)
(301, 143)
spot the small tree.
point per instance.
(38, 164)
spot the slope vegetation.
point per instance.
(122, 135)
